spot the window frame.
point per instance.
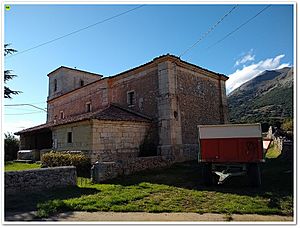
(61, 115)
(131, 98)
(88, 106)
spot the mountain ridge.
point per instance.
(264, 98)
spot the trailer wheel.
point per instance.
(207, 174)
(254, 174)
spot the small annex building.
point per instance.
(150, 110)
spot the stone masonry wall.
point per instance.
(117, 140)
(175, 94)
(169, 121)
(81, 136)
(103, 171)
(110, 90)
(199, 101)
(68, 79)
(39, 179)
(282, 144)
(145, 86)
(144, 163)
(74, 103)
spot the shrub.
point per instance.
(79, 160)
(11, 147)
(287, 124)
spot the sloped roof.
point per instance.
(175, 58)
(74, 69)
(111, 113)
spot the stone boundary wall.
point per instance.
(102, 171)
(180, 153)
(282, 144)
(143, 163)
(33, 155)
(38, 179)
(190, 152)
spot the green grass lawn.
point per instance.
(175, 189)
(16, 166)
(272, 152)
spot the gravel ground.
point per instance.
(148, 217)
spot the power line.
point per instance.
(43, 109)
(246, 22)
(208, 31)
(26, 113)
(19, 109)
(39, 102)
(76, 31)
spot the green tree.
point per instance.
(11, 146)
(287, 124)
(8, 74)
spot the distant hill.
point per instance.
(266, 98)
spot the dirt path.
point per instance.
(148, 217)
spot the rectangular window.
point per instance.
(55, 85)
(62, 116)
(81, 83)
(130, 98)
(88, 107)
(70, 137)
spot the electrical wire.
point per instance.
(26, 113)
(9, 105)
(208, 31)
(76, 31)
(236, 29)
(19, 109)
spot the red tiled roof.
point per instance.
(113, 113)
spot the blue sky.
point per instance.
(137, 37)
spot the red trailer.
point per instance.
(231, 150)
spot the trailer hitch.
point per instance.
(224, 176)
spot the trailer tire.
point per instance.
(207, 174)
(254, 174)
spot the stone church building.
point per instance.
(150, 110)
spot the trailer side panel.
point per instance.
(231, 150)
(237, 143)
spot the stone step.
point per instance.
(24, 161)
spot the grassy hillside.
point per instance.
(268, 98)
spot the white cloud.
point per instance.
(240, 76)
(246, 58)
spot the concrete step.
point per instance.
(24, 161)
